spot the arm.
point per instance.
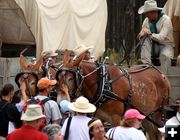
(24, 97)
(166, 29)
(64, 89)
(145, 29)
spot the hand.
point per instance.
(144, 32)
(64, 88)
(23, 88)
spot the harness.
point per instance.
(25, 75)
(104, 91)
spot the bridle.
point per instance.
(79, 77)
(25, 76)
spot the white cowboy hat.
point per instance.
(49, 53)
(33, 112)
(149, 5)
(82, 105)
(80, 49)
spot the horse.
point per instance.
(30, 75)
(113, 89)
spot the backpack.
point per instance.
(39, 102)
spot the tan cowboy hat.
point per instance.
(49, 53)
(80, 49)
(82, 105)
(33, 112)
(149, 5)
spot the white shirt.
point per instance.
(78, 128)
(174, 120)
(123, 133)
(164, 29)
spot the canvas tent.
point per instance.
(172, 9)
(64, 24)
(13, 27)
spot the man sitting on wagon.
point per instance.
(158, 32)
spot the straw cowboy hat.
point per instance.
(33, 112)
(149, 5)
(49, 53)
(80, 49)
(82, 105)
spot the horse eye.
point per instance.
(33, 83)
(71, 78)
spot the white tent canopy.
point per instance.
(64, 24)
(172, 8)
(13, 27)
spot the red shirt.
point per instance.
(27, 133)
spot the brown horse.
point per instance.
(112, 89)
(29, 75)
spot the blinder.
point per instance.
(25, 75)
(76, 72)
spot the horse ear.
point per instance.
(78, 59)
(66, 56)
(38, 64)
(22, 62)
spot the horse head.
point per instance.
(29, 74)
(30, 79)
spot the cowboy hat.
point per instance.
(49, 53)
(149, 5)
(33, 112)
(82, 105)
(80, 49)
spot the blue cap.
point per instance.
(64, 106)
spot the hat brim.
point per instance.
(24, 117)
(87, 49)
(90, 109)
(52, 82)
(141, 117)
(142, 11)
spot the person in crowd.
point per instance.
(129, 128)
(51, 108)
(49, 61)
(53, 131)
(8, 111)
(32, 121)
(157, 31)
(65, 111)
(49, 56)
(80, 49)
(78, 126)
(96, 130)
(175, 120)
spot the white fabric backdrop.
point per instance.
(64, 24)
(172, 8)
